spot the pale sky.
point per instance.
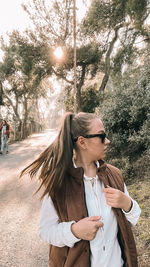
(12, 15)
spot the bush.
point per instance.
(127, 120)
(126, 117)
(125, 167)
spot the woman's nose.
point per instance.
(107, 142)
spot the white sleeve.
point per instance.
(134, 214)
(51, 230)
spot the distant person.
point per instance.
(5, 131)
(87, 212)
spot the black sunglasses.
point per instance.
(102, 136)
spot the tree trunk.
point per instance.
(76, 94)
(107, 62)
(1, 93)
(24, 124)
(15, 107)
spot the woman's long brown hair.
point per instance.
(55, 160)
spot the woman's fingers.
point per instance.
(87, 228)
(116, 198)
(94, 218)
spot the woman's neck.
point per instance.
(89, 167)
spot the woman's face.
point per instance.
(96, 150)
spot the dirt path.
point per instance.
(20, 245)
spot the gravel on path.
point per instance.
(20, 245)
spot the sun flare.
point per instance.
(58, 52)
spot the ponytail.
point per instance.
(55, 160)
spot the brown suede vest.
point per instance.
(70, 205)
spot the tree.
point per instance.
(107, 23)
(60, 33)
(20, 74)
(116, 25)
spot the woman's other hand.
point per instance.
(117, 199)
(87, 228)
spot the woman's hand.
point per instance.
(86, 228)
(117, 199)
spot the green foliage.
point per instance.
(88, 54)
(127, 116)
(123, 56)
(90, 99)
(104, 15)
(69, 103)
(24, 65)
(136, 9)
(125, 167)
(68, 99)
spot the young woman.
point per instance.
(86, 212)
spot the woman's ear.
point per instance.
(81, 142)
